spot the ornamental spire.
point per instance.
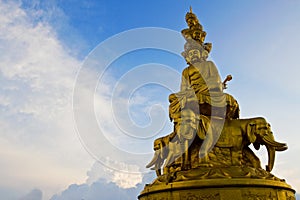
(195, 35)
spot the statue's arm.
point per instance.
(214, 79)
(185, 80)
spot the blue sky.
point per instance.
(53, 53)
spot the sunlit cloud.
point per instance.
(37, 77)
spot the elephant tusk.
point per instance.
(277, 145)
(271, 158)
(154, 159)
(281, 148)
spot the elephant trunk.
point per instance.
(272, 146)
(269, 140)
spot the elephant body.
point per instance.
(246, 131)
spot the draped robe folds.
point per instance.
(201, 85)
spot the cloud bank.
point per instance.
(35, 194)
(37, 73)
(102, 189)
(39, 147)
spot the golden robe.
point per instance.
(202, 91)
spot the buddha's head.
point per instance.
(202, 37)
(194, 52)
(191, 19)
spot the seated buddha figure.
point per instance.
(201, 87)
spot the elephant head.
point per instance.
(186, 125)
(163, 150)
(159, 148)
(175, 145)
(169, 148)
(259, 133)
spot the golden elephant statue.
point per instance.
(246, 131)
(195, 136)
(233, 136)
(175, 146)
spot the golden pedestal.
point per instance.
(220, 189)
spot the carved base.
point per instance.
(220, 189)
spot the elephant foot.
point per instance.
(170, 177)
(204, 162)
(185, 167)
(205, 165)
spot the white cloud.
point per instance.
(39, 146)
(122, 179)
(35, 194)
(102, 189)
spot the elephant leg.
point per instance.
(166, 170)
(252, 159)
(186, 165)
(204, 150)
(204, 159)
(236, 157)
(158, 172)
(203, 154)
(157, 168)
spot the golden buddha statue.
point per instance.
(207, 155)
(201, 87)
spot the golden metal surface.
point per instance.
(218, 189)
(207, 156)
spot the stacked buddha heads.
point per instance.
(195, 36)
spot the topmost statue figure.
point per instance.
(201, 88)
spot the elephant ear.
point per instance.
(251, 132)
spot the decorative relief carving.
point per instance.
(259, 196)
(290, 196)
(192, 196)
(157, 198)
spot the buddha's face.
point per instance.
(197, 35)
(194, 55)
(191, 22)
(202, 38)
